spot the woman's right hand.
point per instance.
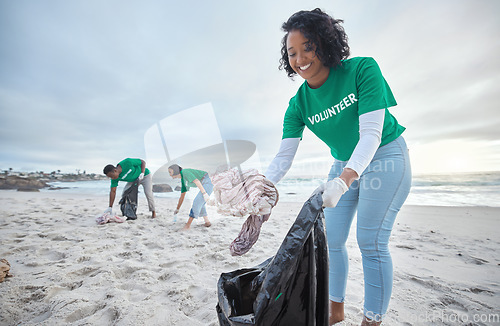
(332, 191)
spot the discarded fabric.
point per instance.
(107, 217)
(242, 193)
(248, 235)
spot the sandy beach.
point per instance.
(70, 271)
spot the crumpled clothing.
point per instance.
(241, 193)
(249, 235)
(4, 269)
(107, 217)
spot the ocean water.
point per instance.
(460, 189)
(101, 188)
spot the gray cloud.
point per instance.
(82, 81)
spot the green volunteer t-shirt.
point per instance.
(131, 168)
(332, 111)
(188, 176)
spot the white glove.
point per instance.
(206, 197)
(141, 176)
(333, 190)
(109, 210)
(176, 211)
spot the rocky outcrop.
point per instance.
(28, 189)
(20, 183)
(162, 188)
(4, 269)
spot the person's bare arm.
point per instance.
(143, 166)
(181, 200)
(112, 195)
(349, 175)
(199, 185)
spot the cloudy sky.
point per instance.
(81, 82)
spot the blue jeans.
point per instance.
(377, 196)
(198, 208)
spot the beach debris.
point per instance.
(4, 269)
(244, 193)
(248, 235)
(108, 217)
(128, 202)
(290, 288)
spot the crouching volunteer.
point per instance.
(193, 178)
(130, 170)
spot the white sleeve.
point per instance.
(370, 136)
(283, 160)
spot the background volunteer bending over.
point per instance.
(345, 103)
(193, 178)
(130, 170)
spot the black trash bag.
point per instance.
(128, 202)
(288, 289)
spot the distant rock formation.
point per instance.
(4, 269)
(28, 189)
(162, 188)
(20, 183)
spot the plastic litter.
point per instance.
(290, 288)
(107, 217)
(128, 202)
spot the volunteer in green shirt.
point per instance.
(193, 178)
(130, 170)
(345, 103)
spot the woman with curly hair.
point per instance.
(345, 103)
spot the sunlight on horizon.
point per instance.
(439, 157)
(452, 156)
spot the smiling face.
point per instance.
(304, 61)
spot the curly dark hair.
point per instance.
(323, 31)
